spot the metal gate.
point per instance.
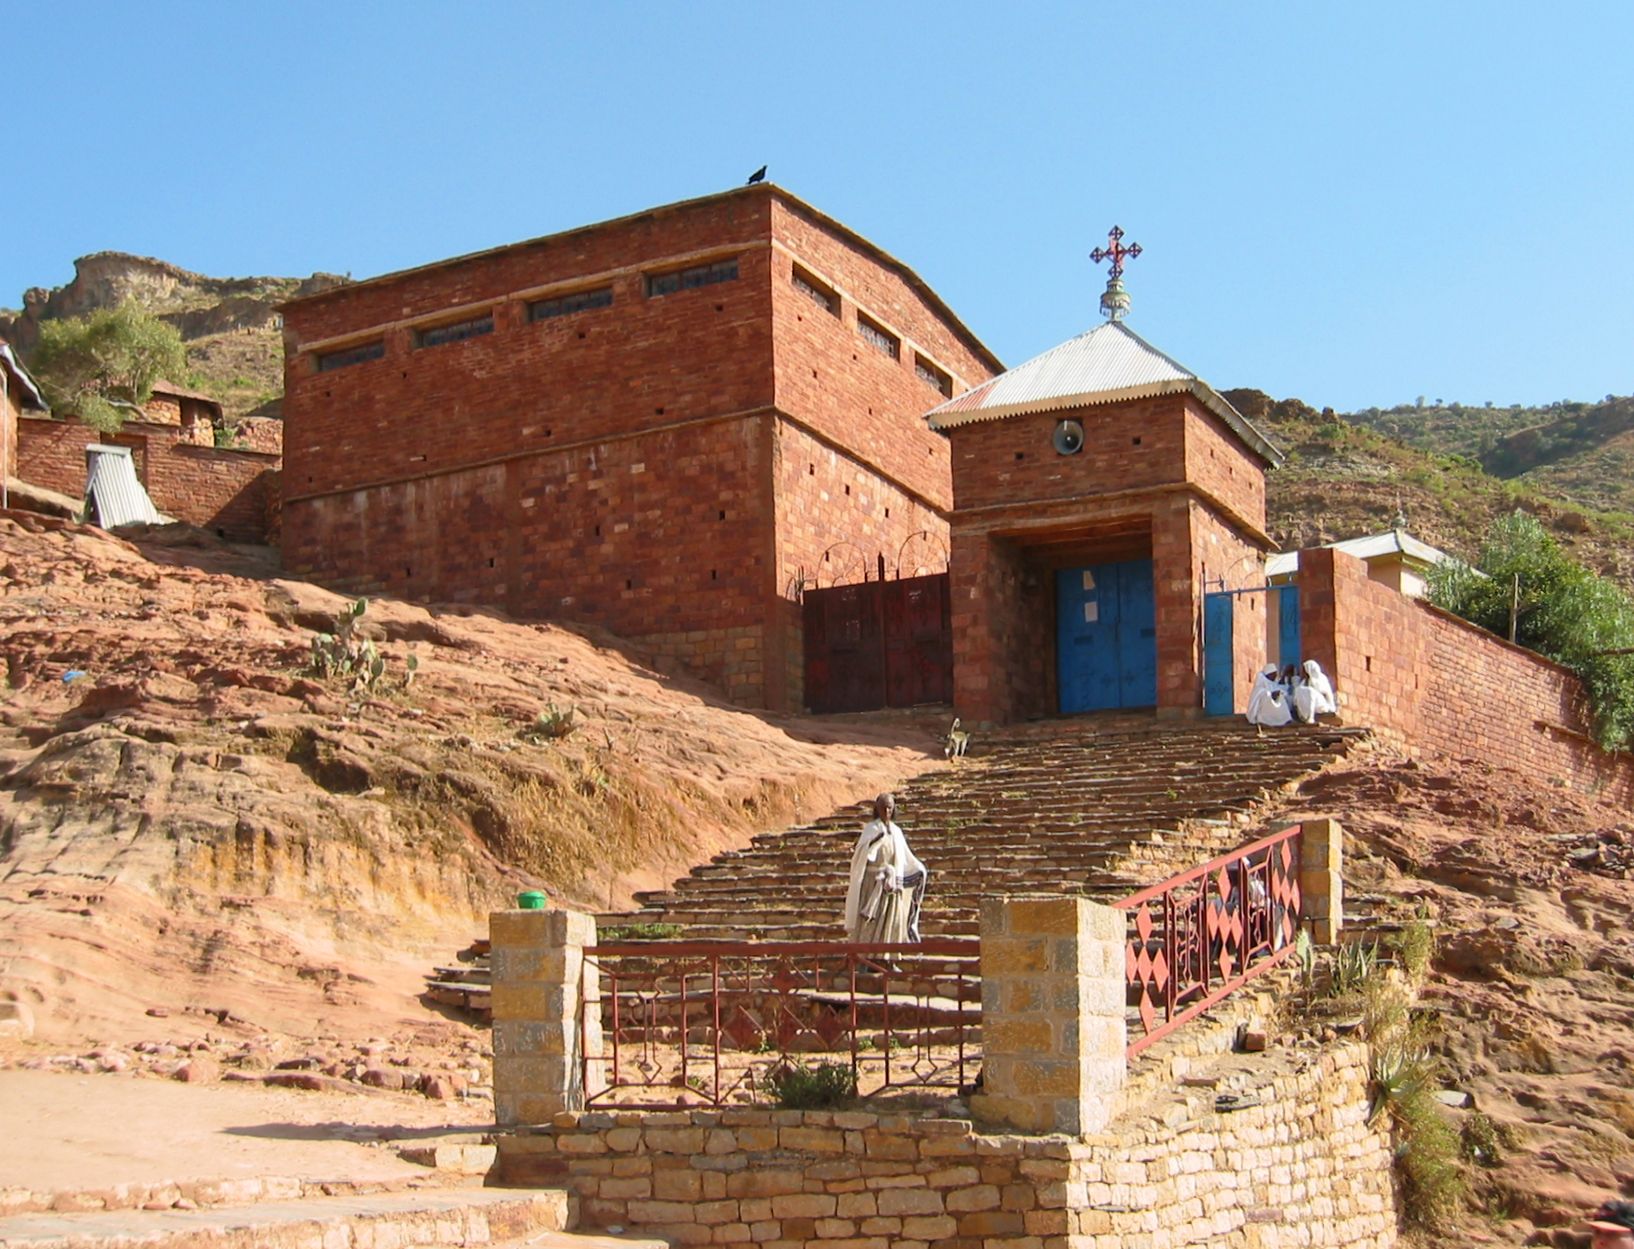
(1282, 643)
(878, 644)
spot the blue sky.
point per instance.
(1356, 204)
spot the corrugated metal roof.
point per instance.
(1104, 365)
(1369, 546)
(31, 392)
(113, 495)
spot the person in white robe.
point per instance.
(887, 882)
(1314, 696)
(1268, 701)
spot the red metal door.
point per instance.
(878, 644)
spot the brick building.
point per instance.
(1098, 489)
(668, 424)
(231, 491)
(18, 394)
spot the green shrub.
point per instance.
(1558, 608)
(1353, 966)
(1485, 1141)
(638, 932)
(549, 724)
(827, 1086)
(1415, 946)
(1427, 1147)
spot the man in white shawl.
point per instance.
(1268, 701)
(1313, 696)
(887, 882)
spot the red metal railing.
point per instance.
(1206, 932)
(704, 1023)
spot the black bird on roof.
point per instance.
(759, 175)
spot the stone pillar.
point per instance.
(1053, 1028)
(538, 965)
(1321, 879)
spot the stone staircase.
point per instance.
(1100, 806)
(494, 1218)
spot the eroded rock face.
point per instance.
(195, 828)
(197, 305)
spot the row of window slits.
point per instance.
(539, 310)
(815, 291)
(567, 305)
(877, 335)
(698, 275)
(932, 376)
(351, 355)
(436, 335)
(879, 338)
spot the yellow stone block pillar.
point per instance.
(1321, 879)
(1053, 1029)
(546, 1011)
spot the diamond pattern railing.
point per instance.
(705, 1023)
(1203, 934)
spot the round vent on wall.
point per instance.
(1069, 437)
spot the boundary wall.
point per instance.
(1433, 683)
(231, 491)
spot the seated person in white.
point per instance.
(1268, 701)
(1313, 696)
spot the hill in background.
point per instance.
(1449, 472)
(1448, 469)
(230, 326)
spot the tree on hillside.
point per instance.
(1538, 596)
(102, 367)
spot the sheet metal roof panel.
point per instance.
(31, 392)
(1104, 365)
(114, 494)
(1109, 357)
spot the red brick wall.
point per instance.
(1220, 553)
(11, 411)
(1444, 687)
(642, 363)
(986, 470)
(626, 533)
(224, 491)
(842, 386)
(1003, 632)
(558, 413)
(1217, 461)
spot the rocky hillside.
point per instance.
(1343, 478)
(192, 822)
(229, 325)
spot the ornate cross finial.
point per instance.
(1115, 300)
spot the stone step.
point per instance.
(440, 1218)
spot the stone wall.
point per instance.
(1439, 685)
(1301, 1167)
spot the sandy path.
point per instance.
(81, 1132)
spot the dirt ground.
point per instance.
(219, 870)
(77, 1133)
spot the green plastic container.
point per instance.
(532, 900)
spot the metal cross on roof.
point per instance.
(1115, 251)
(1115, 300)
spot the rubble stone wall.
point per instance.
(1301, 1167)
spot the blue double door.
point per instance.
(1106, 637)
(1219, 636)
